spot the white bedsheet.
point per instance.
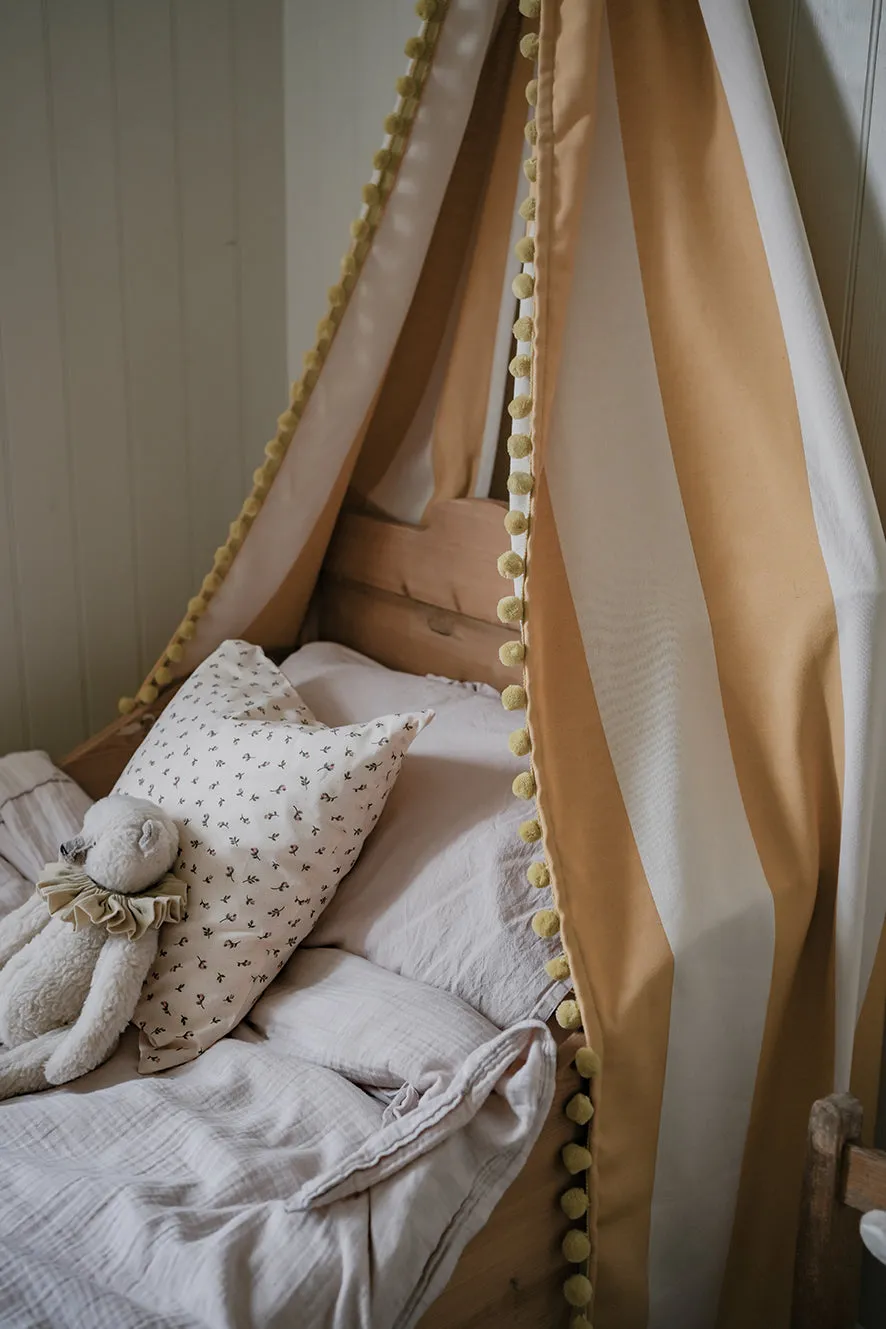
(262, 1185)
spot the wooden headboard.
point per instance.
(419, 599)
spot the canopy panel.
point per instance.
(698, 573)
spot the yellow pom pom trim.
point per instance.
(577, 1290)
(530, 133)
(568, 1015)
(407, 86)
(523, 286)
(186, 631)
(394, 124)
(312, 360)
(523, 328)
(576, 1158)
(426, 9)
(580, 1322)
(525, 249)
(587, 1063)
(223, 557)
(175, 652)
(530, 8)
(520, 482)
(530, 831)
(520, 407)
(510, 565)
(527, 209)
(251, 507)
(516, 523)
(371, 194)
(532, 92)
(275, 447)
(359, 228)
(415, 48)
(519, 446)
(558, 968)
(514, 697)
(148, 694)
(530, 169)
(211, 582)
(524, 785)
(337, 295)
(511, 653)
(382, 159)
(576, 1248)
(325, 332)
(519, 741)
(579, 1109)
(574, 1203)
(529, 45)
(520, 366)
(196, 606)
(538, 875)
(126, 705)
(546, 923)
(162, 676)
(510, 609)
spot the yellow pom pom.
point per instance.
(394, 124)
(577, 1290)
(415, 48)
(576, 1158)
(325, 330)
(162, 676)
(527, 209)
(252, 507)
(574, 1203)
(524, 785)
(519, 741)
(530, 133)
(513, 698)
(525, 249)
(532, 92)
(223, 558)
(580, 1322)
(568, 1015)
(211, 582)
(530, 8)
(529, 45)
(530, 831)
(530, 169)
(312, 360)
(174, 652)
(519, 446)
(546, 923)
(275, 448)
(196, 606)
(523, 285)
(510, 609)
(126, 705)
(426, 9)
(298, 396)
(576, 1248)
(520, 482)
(511, 653)
(580, 1109)
(516, 523)
(337, 295)
(558, 968)
(186, 630)
(148, 694)
(260, 481)
(510, 565)
(538, 875)
(520, 407)
(587, 1063)
(371, 194)
(359, 228)
(523, 329)
(348, 266)
(407, 86)
(520, 366)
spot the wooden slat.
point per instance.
(404, 634)
(865, 1179)
(512, 1272)
(449, 563)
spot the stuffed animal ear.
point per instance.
(149, 836)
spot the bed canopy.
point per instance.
(594, 199)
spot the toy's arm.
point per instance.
(21, 926)
(117, 980)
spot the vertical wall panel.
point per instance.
(152, 303)
(81, 98)
(39, 472)
(13, 708)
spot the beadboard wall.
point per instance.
(171, 216)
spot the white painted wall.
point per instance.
(142, 330)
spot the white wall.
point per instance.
(142, 342)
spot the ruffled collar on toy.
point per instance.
(75, 898)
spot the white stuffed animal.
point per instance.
(74, 957)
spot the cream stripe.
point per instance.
(849, 529)
(367, 334)
(650, 653)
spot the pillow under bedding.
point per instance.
(440, 893)
(273, 810)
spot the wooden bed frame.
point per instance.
(424, 601)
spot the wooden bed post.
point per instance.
(828, 1243)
